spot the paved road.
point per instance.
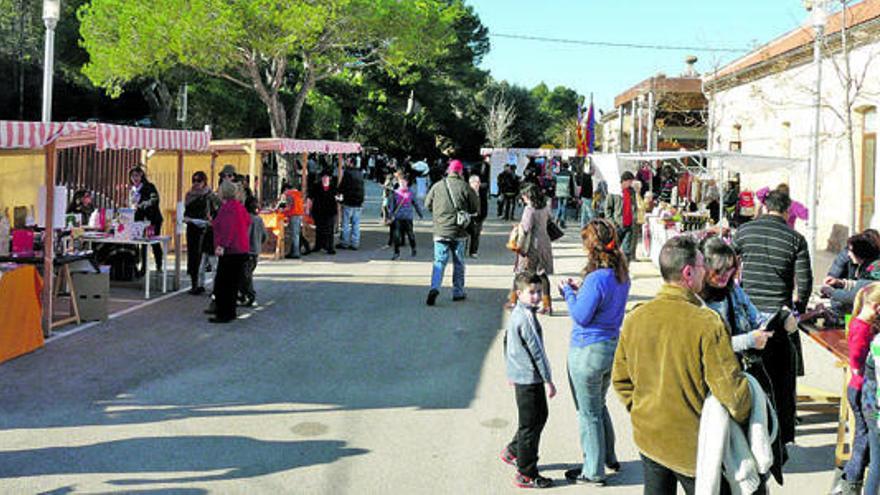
(341, 381)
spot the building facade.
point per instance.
(659, 114)
(763, 104)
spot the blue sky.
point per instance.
(607, 72)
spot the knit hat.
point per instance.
(456, 167)
(228, 169)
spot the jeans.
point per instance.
(627, 243)
(872, 481)
(442, 251)
(351, 226)
(586, 212)
(294, 229)
(560, 209)
(589, 374)
(531, 405)
(854, 471)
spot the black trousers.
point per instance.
(660, 480)
(531, 405)
(324, 232)
(247, 281)
(230, 272)
(157, 250)
(474, 230)
(403, 228)
(194, 238)
(508, 207)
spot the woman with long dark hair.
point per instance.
(536, 253)
(596, 306)
(200, 206)
(322, 198)
(144, 198)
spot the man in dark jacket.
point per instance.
(508, 187)
(352, 191)
(448, 200)
(586, 196)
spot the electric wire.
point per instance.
(619, 45)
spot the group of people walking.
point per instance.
(699, 355)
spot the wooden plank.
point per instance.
(49, 241)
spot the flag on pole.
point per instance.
(579, 143)
(590, 144)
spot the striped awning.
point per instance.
(36, 135)
(308, 146)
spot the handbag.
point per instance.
(462, 218)
(514, 239)
(553, 230)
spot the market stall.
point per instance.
(52, 137)
(501, 157)
(256, 148)
(697, 187)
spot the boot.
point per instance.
(546, 305)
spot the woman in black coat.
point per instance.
(322, 197)
(145, 199)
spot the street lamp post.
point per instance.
(818, 17)
(51, 13)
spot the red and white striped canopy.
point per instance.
(36, 135)
(308, 146)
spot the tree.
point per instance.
(278, 49)
(499, 123)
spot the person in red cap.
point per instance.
(452, 204)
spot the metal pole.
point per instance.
(812, 193)
(650, 139)
(48, 68)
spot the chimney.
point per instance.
(689, 70)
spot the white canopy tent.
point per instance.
(715, 162)
(500, 157)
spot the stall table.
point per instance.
(834, 341)
(62, 273)
(141, 244)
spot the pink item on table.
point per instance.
(22, 241)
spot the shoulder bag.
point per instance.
(462, 218)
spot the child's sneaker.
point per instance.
(508, 457)
(524, 481)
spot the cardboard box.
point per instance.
(92, 295)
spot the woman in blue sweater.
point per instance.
(596, 306)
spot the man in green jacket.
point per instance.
(673, 352)
(446, 199)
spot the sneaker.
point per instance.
(459, 298)
(574, 476)
(524, 481)
(475, 255)
(341, 246)
(614, 466)
(395, 257)
(508, 457)
(432, 297)
(331, 251)
(195, 291)
(353, 248)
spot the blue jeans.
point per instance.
(872, 481)
(586, 212)
(854, 471)
(442, 251)
(560, 209)
(351, 226)
(293, 231)
(589, 374)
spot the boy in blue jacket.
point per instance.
(529, 371)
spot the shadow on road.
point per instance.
(235, 456)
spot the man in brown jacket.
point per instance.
(673, 352)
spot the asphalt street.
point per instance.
(341, 380)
